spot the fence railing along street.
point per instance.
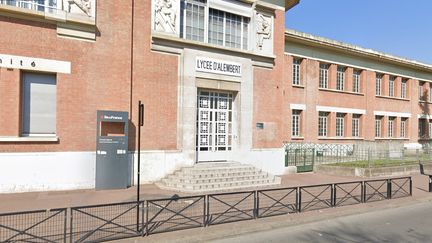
(115, 221)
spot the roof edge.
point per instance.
(290, 33)
(290, 4)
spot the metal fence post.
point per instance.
(410, 186)
(147, 220)
(417, 155)
(65, 225)
(362, 194)
(299, 199)
(205, 211)
(389, 189)
(256, 204)
(313, 158)
(286, 156)
(71, 225)
(333, 195)
(430, 183)
(369, 157)
(143, 222)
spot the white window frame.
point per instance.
(322, 124)
(403, 88)
(296, 71)
(340, 124)
(378, 126)
(296, 123)
(323, 75)
(421, 90)
(356, 81)
(403, 127)
(356, 125)
(340, 78)
(391, 86)
(244, 21)
(378, 82)
(390, 127)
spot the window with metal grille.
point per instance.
(340, 78)
(322, 124)
(194, 19)
(340, 124)
(391, 86)
(323, 76)
(296, 71)
(356, 125)
(430, 129)
(403, 88)
(390, 126)
(378, 81)
(295, 126)
(356, 81)
(422, 128)
(403, 127)
(378, 127)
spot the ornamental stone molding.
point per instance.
(166, 16)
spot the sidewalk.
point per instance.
(58, 199)
(228, 230)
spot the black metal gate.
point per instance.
(302, 158)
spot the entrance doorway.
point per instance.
(214, 139)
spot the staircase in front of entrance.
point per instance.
(218, 176)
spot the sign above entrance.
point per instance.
(210, 65)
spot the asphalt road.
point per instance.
(405, 224)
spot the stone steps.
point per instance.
(217, 176)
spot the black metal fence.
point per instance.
(99, 223)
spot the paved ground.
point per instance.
(410, 223)
(56, 199)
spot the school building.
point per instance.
(220, 80)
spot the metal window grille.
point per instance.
(296, 71)
(377, 127)
(356, 81)
(323, 76)
(421, 128)
(391, 86)
(340, 79)
(295, 123)
(340, 119)
(421, 91)
(378, 81)
(322, 124)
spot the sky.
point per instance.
(401, 28)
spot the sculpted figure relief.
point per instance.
(84, 5)
(264, 29)
(165, 16)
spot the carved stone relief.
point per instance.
(264, 29)
(165, 15)
(80, 7)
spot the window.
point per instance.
(378, 126)
(340, 119)
(430, 93)
(403, 88)
(422, 128)
(391, 86)
(340, 78)
(38, 5)
(323, 76)
(421, 91)
(295, 128)
(378, 81)
(356, 125)
(403, 127)
(390, 126)
(39, 104)
(222, 28)
(322, 124)
(356, 81)
(430, 129)
(296, 71)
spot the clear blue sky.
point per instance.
(397, 27)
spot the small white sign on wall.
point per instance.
(210, 65)
(36, 64)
